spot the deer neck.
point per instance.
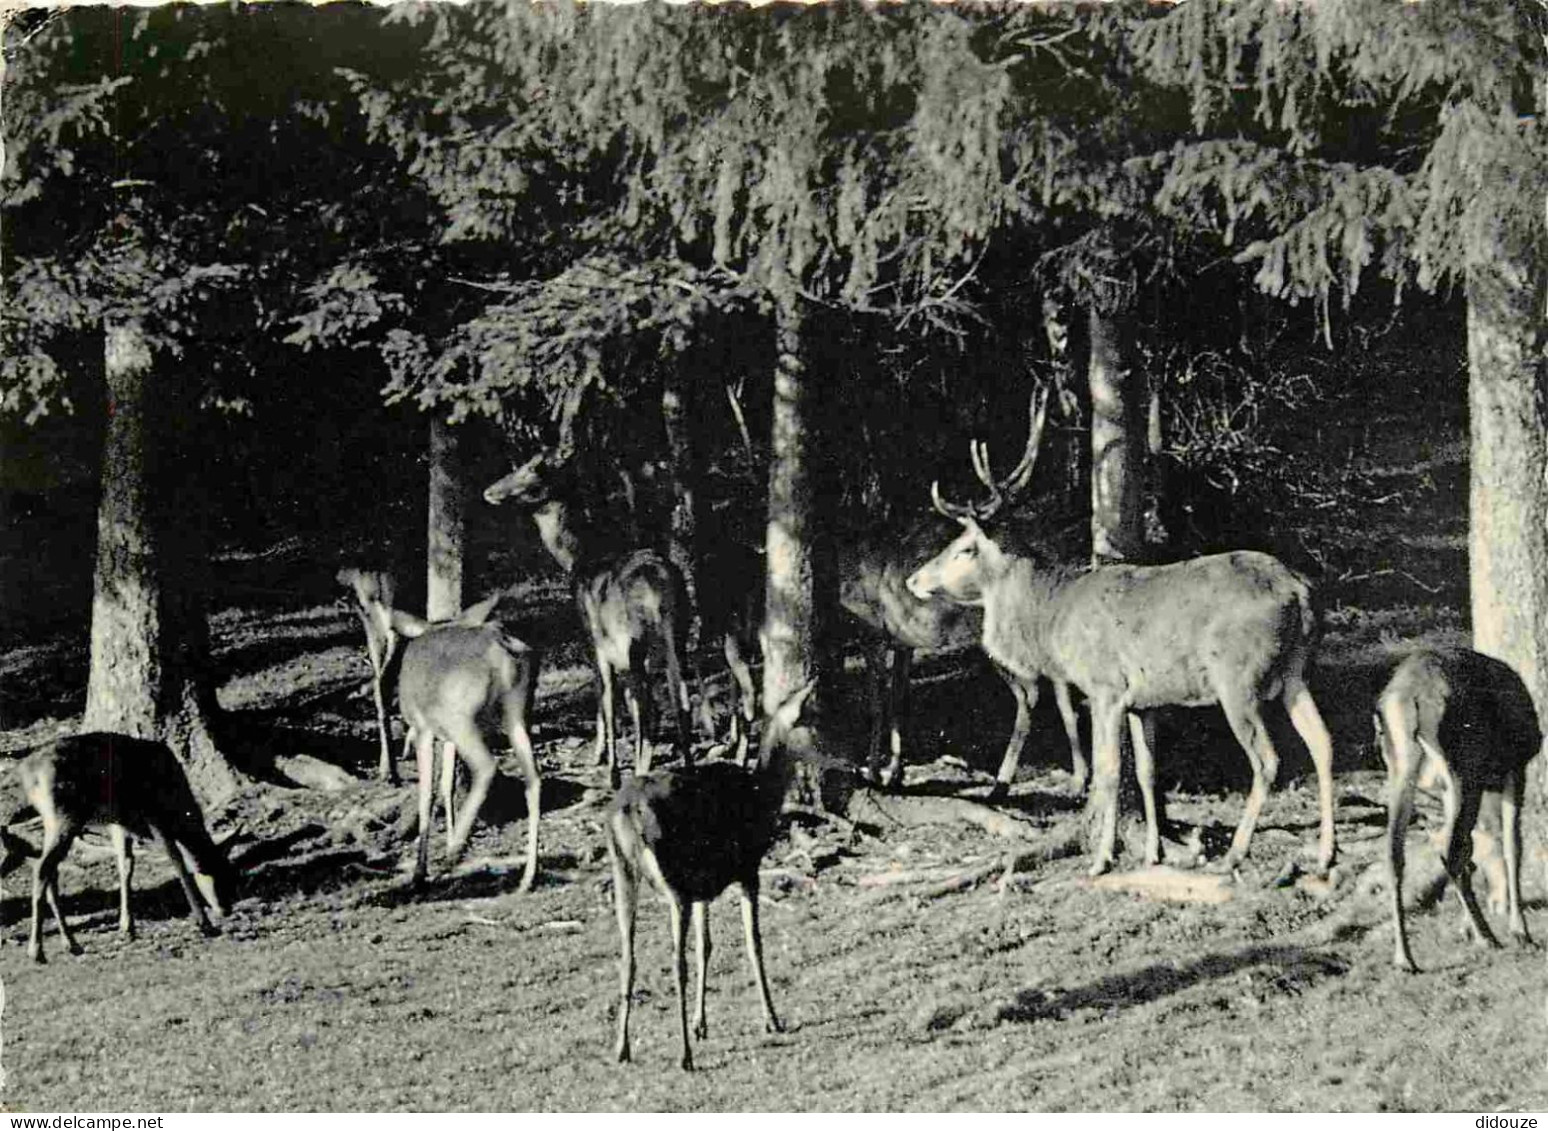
(556, 527)
(1019, 602)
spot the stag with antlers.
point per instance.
(1235, 629)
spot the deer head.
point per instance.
(959, 571)
(533, 483)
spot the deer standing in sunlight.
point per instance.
(1234, 629)
(694, 834)
(455, 680)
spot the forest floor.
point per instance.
(902, 984)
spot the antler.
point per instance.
(1013, 484)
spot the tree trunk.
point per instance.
(788, 629)
(443, 583)
(1118, 425)
(1508, 496)
(149, 630)
(682, 474)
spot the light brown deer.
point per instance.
(631, 603)
(131, 785)
(374, 592)
(1465, 723)
(455, 680)
(1234, 629)
(873, 588)
(694, 834)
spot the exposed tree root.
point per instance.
(868, 806)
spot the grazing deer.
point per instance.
(374, 592)
(873, 589)
(694, 835)
(1466, 723)
(630, 603)
(131, 785)
(1233, 629)
(454, 678)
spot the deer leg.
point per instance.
(1078, 767)
(876, 691)
(201, 868)
(1308, 723)
(64, 927)
(388, 768)
(467, 739)
(424, 758)
(125, 856)
(606, 734)
(675, 909)
(516, 706)
(1107, 767)
(680, 973)
(897, 712)
(1247, 724)
(625, 904)
(742, 721)
(1142, 736)
(631, 692)
(1462, 801)
(449, 788)
(754, 939)
(1510, 844)
(1488, 850)
(180, 869)
(1401, 756)
(701, 936)
(1025, 692)
(45, 880)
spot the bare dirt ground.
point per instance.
(334, 988)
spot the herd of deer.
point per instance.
(1235, 629)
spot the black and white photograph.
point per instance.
(1025, 523)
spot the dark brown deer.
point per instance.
(456, 680)
(1233, 629)
(694, 835)
(631, 603)
(374, 592)
(873, 588)
(131, 785)
(1465, 723)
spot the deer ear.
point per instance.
(475, 615)
(406, 624)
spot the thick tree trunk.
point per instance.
(1118, 426)
(788, 629)
(1508, 496)
(443, 584)
(149, 631)
(682, 474)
